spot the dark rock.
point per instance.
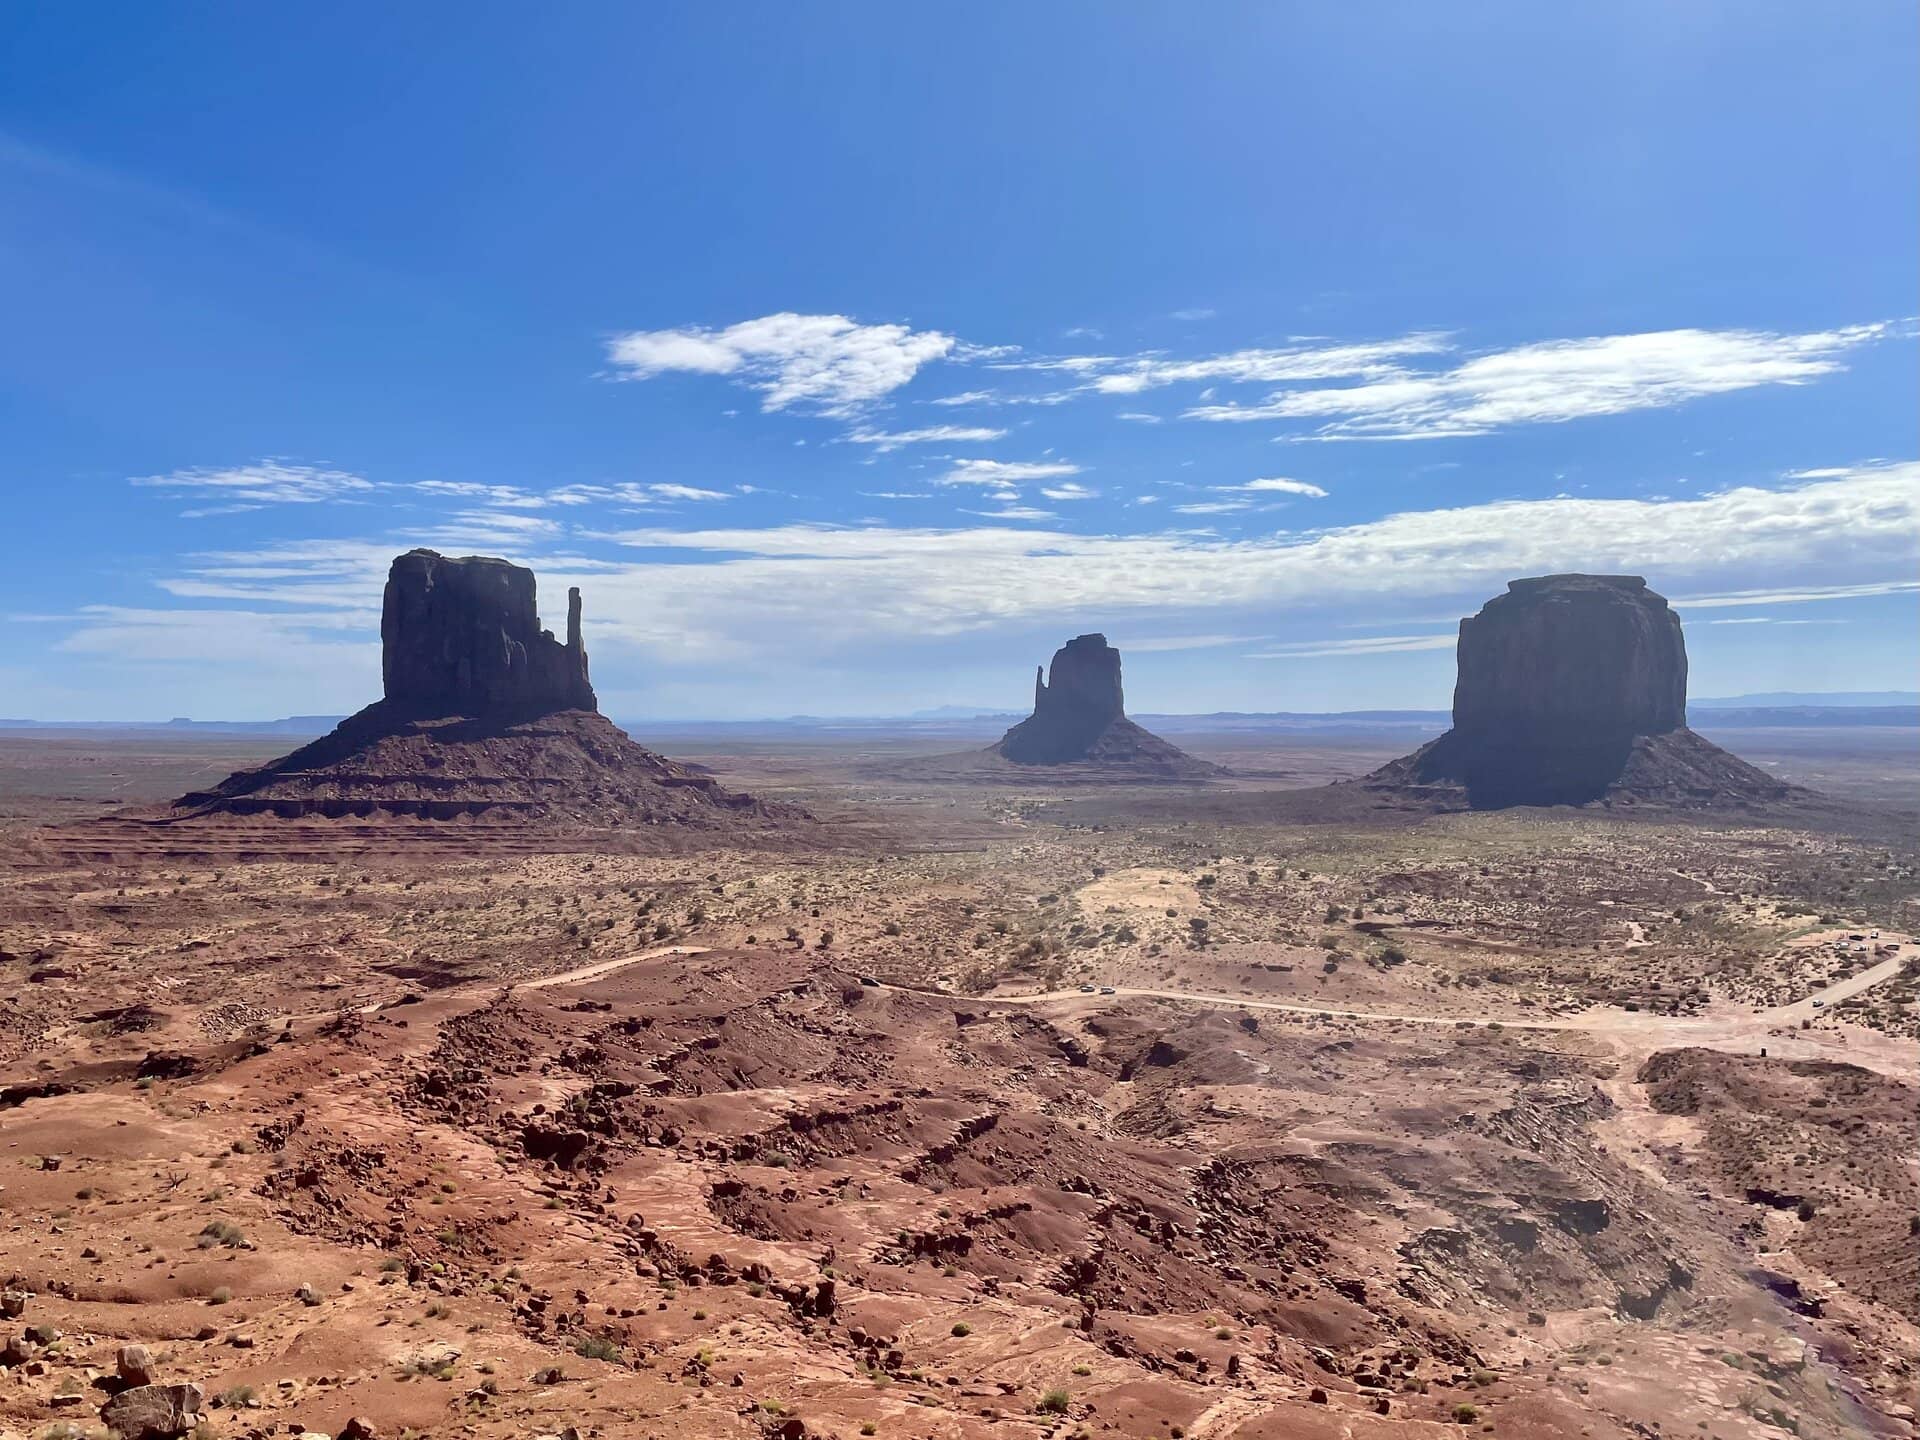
(1571, 689)
(153, 1412)
(1073, 704)
(486, 717)
(463, 637)
(1079, 717)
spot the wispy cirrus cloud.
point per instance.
(1268, 366)
(828, 364)
(510, 497)
(1015, 512)
(1368, 645)
(633, 492)
(799, 595)
(264, 482)
(886, 441)
(1003, 473)
(1212, 507)
(1278, 485)
(1555, 381)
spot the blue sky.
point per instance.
(852, 357)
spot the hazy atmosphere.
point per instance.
(853, 360)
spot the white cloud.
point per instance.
(1069, 490)
(265, 482)
(506, 496)
(629, 492)
(1198, 312)
(1005, 472)
(825, 363)
(1555, 381)
(1139, 417)
(490, 528)
(885, 441)
(1800, 596)
(804, 595)
(932, 581)
(1212, 507)
(1014, 512)
(1279, 485)
(204, 511)
(1292, 363)
(1371, 645)
(1003, 397)
(670, 491)
(1154, 644)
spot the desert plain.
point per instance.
(982, 1105)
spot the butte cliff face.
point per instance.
(1573, 688)
(463, 637)
(1079, 718)
(486, 717)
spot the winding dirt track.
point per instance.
(1633, 1031)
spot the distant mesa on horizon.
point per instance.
(1079, 718)
(1573, 689)
(486, 716)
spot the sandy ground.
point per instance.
(1361, 1130)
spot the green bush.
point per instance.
(596, 1347)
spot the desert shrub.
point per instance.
(596, 1347)
(1054, 1402)
(221, 1232)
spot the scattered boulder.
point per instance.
(135, 1365)
(153, 1412)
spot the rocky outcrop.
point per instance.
(1570, 689)
(1569, 662)
(486, 717)
(1079, 718)
(463, 637)
(1071, 713)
